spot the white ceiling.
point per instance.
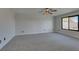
(38, 10)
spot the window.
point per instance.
(70, 23)
(65, 23)
(73, 23)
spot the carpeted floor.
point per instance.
(42, 42)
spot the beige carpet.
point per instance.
(42, 42)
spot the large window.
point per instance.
(70, 23)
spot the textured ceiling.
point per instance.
(60, 11)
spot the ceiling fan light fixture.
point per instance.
(46, 13)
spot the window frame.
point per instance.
(68, 23)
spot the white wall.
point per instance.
(33, 23)
(66, 32)
(7, 26)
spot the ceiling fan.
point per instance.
(47, 11)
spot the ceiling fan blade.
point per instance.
(53, 10)
(50, 12)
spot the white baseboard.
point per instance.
(32, 33)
